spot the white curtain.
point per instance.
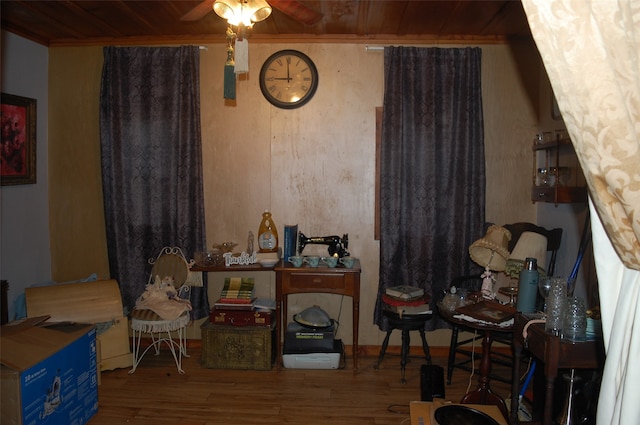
(591, 51)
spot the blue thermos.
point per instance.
(528, 286)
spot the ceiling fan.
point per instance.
(293, 8)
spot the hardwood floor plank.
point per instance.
(157, 395)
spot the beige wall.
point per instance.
(312, 166)
(76, 215)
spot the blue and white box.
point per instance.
(48, 374)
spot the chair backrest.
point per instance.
(554, 237)
(170, 262)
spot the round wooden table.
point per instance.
(482, 394)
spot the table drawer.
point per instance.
(317, 281)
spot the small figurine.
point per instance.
(250, 243)
(488, 280)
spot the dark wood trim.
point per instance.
(372, 350)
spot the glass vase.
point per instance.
(556, 304)
(574, 326)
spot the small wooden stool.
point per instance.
(405, 323)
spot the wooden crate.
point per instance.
(237, 347)
(97, 302)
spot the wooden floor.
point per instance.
(156, 394)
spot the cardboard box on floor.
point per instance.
(48, 373)
(422, 411)
(97, 302)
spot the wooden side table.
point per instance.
(297, 280)
(483, 394)
(555, 353)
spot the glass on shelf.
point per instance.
(560, 134)
(574, 327)
(556, 305)
(544, 285)
(543, 177)
(538, 139)
(511, 292)
(563, 176)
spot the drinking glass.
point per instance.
(543, 177)
(544, 285)
(574, 327)
(512, 292)
(556, 304)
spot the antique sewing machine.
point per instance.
(337, 245)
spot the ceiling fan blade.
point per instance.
(297, 10)
(199, 12)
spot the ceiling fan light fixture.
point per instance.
(224, 8)
(245, 12)
(262, 10)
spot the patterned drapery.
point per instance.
(432, 169)
(151, 161)
(591, 51)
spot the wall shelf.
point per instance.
(547, 186)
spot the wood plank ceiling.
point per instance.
(145, 22)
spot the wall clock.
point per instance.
(288, 79)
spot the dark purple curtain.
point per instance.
(432, 172)
(151, 161)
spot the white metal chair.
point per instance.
(170, 275)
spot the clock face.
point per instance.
(288, 79)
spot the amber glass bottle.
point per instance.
(267, 234)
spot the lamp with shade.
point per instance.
(530, 245)
(491, 253)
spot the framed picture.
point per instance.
(488, 311)
(18, 148)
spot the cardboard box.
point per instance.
(48, 373)
(237, 347)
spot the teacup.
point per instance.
(296, 261)
(312, 261)
(330, 261)
(348, 262)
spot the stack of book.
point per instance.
(405, 292)
(237, 294)
(238, 305)
(405, 299)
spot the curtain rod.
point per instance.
(374, 48)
